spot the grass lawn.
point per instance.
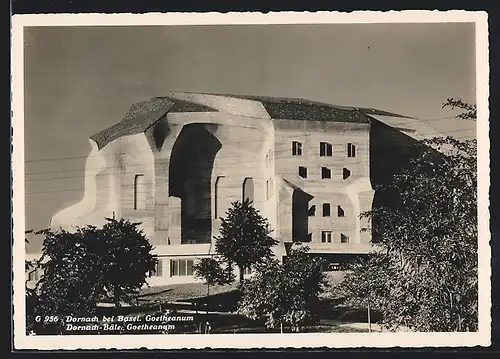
(182, 292)
(189, 291)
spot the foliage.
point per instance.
(285, 294)
(469, 110)
(424, 272)
(92, 264)
(30, 294)
(212, 272)
(244, 236)
(125, 259)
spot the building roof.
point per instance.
(144, 114)
(138, 119)
(304, 109)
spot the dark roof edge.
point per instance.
(125, 128)
(365, 110)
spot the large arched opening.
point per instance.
(190, 173)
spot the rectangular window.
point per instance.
(217, 196)
(248, 189)
(310, 237)
(351, 150)
(326, 172)
(267, 189)
(189, 267)
(325, 149)
(159, 268)
(326, 209)
(326, 236)
(312, 210)
(344, 238)
(139, 192)
(303, 172)
(181, 267)
(296, 148)
(346, 173)
(340, 211)
(174, 268)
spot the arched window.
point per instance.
(248, 189)
(217, 196)
(139, 192)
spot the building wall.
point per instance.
(335, 191)
(154, 178)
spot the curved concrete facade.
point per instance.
(178, 172)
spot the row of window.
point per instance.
(325, 172)
(326, 210)
(325, 149)
(180, 268)
(326, 237)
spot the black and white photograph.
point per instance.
(251, 180)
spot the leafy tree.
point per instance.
(285, 294)
(124, 258)
(423, 274)
(212, 272)
(92, 264)
(244, 236)
(30, 295)
(469, 111)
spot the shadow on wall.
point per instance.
(390, 152)
(190, 174)
(300, 215)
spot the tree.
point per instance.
(285, 294)
(124, 258)
(211, 271)
(469, 111)
(423, 274)
(30, 294)
(92, 264)
(244, 236)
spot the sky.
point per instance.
(81, 80)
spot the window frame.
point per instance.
(296, 148)
(325, 149)
(158, 272)
(304, 169)
(351, 150)
(180, 268)
(311, 211)
(326, 173)
(136, 193)
(346, 173)
(328, 212)
(326, 236)
(344, 239)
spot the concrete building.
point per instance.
(176, 163)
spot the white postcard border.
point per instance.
(180, 341)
